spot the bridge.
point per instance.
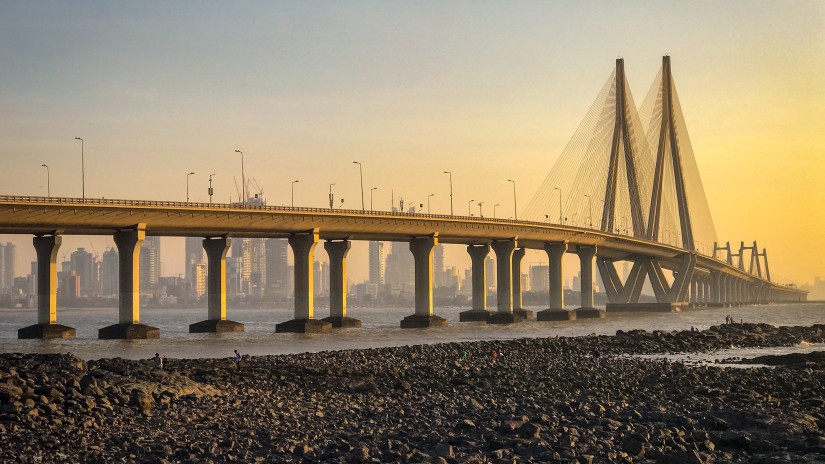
(641, 174)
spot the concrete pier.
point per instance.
(518, 310)
(504, 283)
(587, 309)
(216, 321)
(478, 256)
(47, 327)
(337, 252)
(422, 250)
(303, 252)
(556, 312)
(128, 244)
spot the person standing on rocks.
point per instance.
(238, 361)
(158, 361)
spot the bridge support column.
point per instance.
(47, 327)
(478, 255)
(715, 294)
(504, 283)
(587, 309)
(518, 255)
(337, 252)
(694, 289)
(726, 293)
(129, 327)
(422, 250)
(303, 252)
(556, 312)
(216, 322)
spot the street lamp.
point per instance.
(361, 170)
(293, 192)
(82, 166)
(187, 186)
(494, 210)
(210, 191)
(479, 209)
(469, 207)
(48, 181)
(556, 188)
(515, 205)
(590, 215)
(331, 198)
(451, 190)
(428, 202)
(243, 181)
(372, 190)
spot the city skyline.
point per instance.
(476, 87)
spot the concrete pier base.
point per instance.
(646, 307)
(505, 318)
(589, 313)
(210, 326)
(46, 331)
(128, 332)
(417, 321)
(474, 315)
(556, 315)
(525, 314)
(716, 305)
(342, 322)
(304, 326)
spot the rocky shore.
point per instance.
(584, 399)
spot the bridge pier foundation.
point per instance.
(504, 250)
(128, 244)
(587, 309)
(478, 255)
(216, 322)
(337, 252)
(47, 327)
(518, 310)
(303, 252)
(555, 312)
(422, 250)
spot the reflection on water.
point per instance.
(380, 329)
(719, 358)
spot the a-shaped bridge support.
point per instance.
(47, 326)
(587, 309)
(303, 252)
(556, 312)
(337, 251)
(478, 256)
(129, 327)
(504, 283)
(216, 321)
(422, 250)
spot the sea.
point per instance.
(380, 328)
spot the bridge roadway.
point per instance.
(701, 279)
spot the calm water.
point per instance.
(380, 329)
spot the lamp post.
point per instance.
(210, 191)
(372, 190)
(428, 202)
(480, 214)
(590, 214)
(293, 192)
(451, 190)
(556, 188)
(515, 205)
(469, 207)
(331, 198)
(361, 171)
(494, 210)
(187, 186)
(243, 181)
(48, 181)
(82, 166)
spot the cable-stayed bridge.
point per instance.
(628, 175)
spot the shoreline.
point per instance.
(569, 399)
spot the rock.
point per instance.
(736, 440)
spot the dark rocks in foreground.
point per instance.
(536, 400)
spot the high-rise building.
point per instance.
(257, 266)
(378, 263)
(83, 265)
(320, 276)
(200, 280)
(490, 265)
(277, 268)
(438, 265)
(400, 266)
(109, 269)
(9, 256)
(540, 278)
(193, 256)
(2, 268)
(150, 264)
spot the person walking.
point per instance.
(158, 361)
(238, 358)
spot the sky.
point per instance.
(490, 90)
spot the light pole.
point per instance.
(210, 191)
(590, 215)
(361, 171)
(293, 192)
(494, 210)
(82, 166)
(243, 181)
(331, 198)
(187, 186)
(372, 190)
(451, 190)
(479, 209)
(515, 205)
(48, 181)
(469, 207)
(428, 202)
(556, 188)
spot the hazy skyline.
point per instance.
(488, 90)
